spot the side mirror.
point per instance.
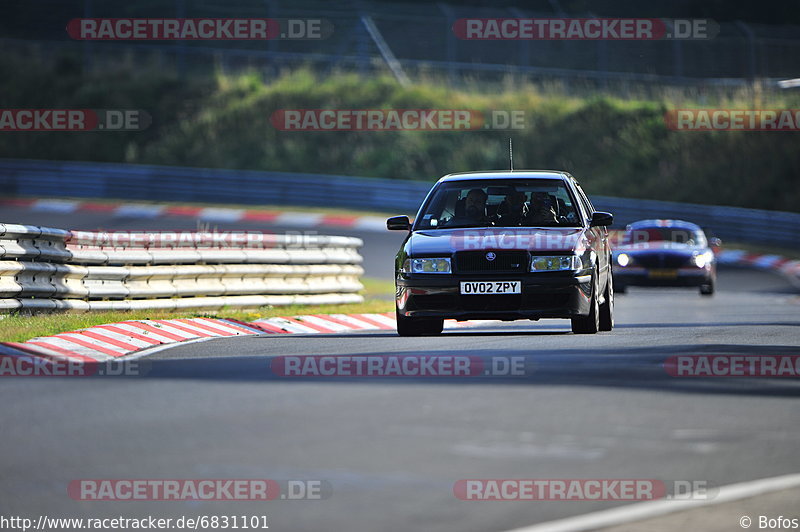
(601, 219)
(714, 242)
(398, 223)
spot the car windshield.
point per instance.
(496, 203)
(675, 235)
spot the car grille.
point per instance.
(505, 261)
(660, 260)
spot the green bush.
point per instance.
(615, 147)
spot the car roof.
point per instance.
(663, 223)
(506, 174)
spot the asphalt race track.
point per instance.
(391, 449)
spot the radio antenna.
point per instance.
(511, 154)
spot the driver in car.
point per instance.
(474, 208)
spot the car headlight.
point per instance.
(427, 265)
(701, 260)
(623, 259)
(556, 263)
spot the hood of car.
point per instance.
(445, 242)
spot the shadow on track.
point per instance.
(621, 368)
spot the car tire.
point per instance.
(621, 289)
(708, 288)
(589, 324)
(418, 326)
(607, 308)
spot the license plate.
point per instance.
(662, 274)
(491, 287)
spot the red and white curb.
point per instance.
(789, 268)
(115, 340)
(207, 214)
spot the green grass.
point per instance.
(15, 327)
(377, 288)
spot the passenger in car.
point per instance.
(512, 209)
(541, 211)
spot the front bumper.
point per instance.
(544, 295)
(638, 276)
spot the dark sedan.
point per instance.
(665, 253)
(504, 245)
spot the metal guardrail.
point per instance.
(43, 268)
(174, 183)
(728, 223)
(180, 184)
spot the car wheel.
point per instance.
(621, 289)
(607, 308)
(708, 288)
(589, 324)
(418, 326)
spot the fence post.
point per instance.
(385, 51)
